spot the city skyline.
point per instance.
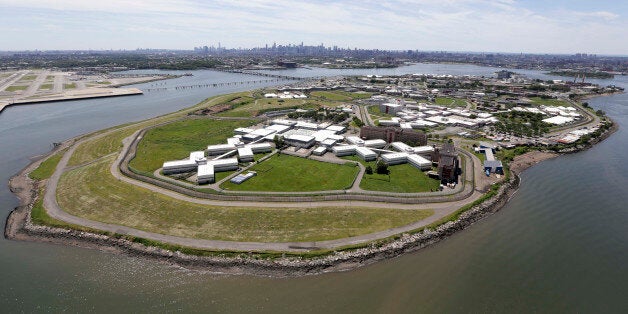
(428, 25)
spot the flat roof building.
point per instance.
(303, 141)
(319, 151)
(376, 143)
(366, 154)
(395, 158)
(179, 166)
(205, 173)
(245, 154)
(219, 149)
(344, 150)
(419, 162)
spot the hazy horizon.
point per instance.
(500, 26)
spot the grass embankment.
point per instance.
(284, 173)
(47, 167)
(549, 102)
(91, 192)
(253, 107)
(100, 147)
(176, 140)
(450, 102)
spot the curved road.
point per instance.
(53, 209)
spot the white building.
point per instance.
(419, 162)
(366, 154)
(245, 154)
(297, 140)
(205, 173)
(219, 149)
(344, 150)
(395, 158)
(376, 143)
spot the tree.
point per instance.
(278, 141)
(381, 167)
(369, 170)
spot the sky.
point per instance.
(532, 26)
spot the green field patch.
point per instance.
(93, 193)
(549, 102)
(27, 78)
(377, 113)
(450, 102)
(46, 86)
(403, 178)
(176, 140)
(47, 167)
(69, 86)
(284, 173)
(15, 88)
(257, 106)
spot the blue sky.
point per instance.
(556, 26)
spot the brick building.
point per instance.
(408, 136)
(448, 163)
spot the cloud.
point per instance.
(479, 25)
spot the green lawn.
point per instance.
(47, 167)
(377, 113)
(403, 178)
(549, 102)
(91, 192)
(450, 102)
(69, 86)
(176, 140)
(331, 96)
(46, 86)
(27, 78)
(14, 88)
(284, 173)
(97, 148)
(253, 107)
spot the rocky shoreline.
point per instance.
(20, 227)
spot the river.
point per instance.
(560, 245)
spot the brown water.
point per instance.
(560, 245)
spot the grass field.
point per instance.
(69, 86)
(15, 88)
(47, 167)
(176, 140)
(284, 173)
(83, 191)
(450, 102)
(97, 148)
(46, 86)
(28, 78)
(549, 102)
(376, 113)
(255, 106)
(403, 178)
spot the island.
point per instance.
(311, 177)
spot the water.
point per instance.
(558, 246)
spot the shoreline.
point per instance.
(19, 227)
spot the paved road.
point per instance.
(53, 209)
